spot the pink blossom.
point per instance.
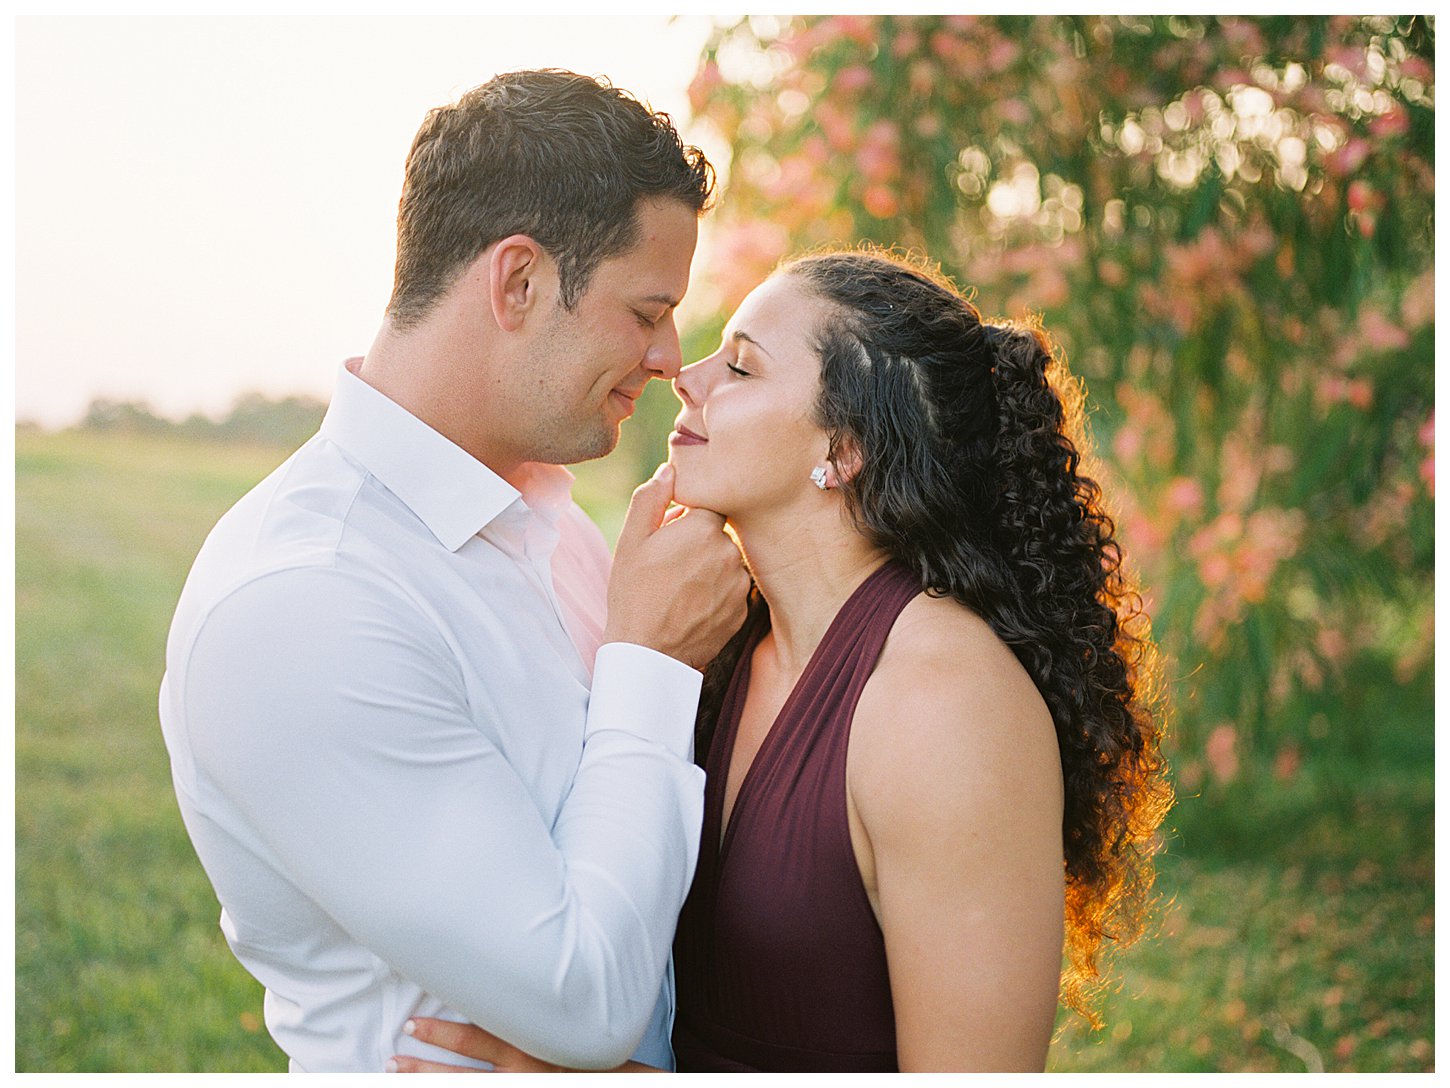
(880, 201)
(1257, 239)
(1225, 528)
(927, 125)
(1348, 57)
(1427, 431)
(1227, 78)
(1417, 305)
(800, 45)
(1359, 393)
(1347, 159)
(921, 77)
(1332, 645)
(1014, 111)
(1378, 333)
(1360, 196)
(814, 151)
(1050, 288)
(1286, 763)
(836, 125)
(906, 44)
(1128, 442)
(945, 46)
(1221, 752)
(852, 79)
(1240, 469)
(1275, 532)
(878, 158)
(1244, 36)
(744, 254)
(1001, 54)
(1308, 669)
(1184, 495)
(1194, 104)
(961, 22)
(1417, 68)
(1394, 122)
(1215, 570)
(1146, 536)
(706, 80)
(1112, 273)
(859, 28)
(1427, 474)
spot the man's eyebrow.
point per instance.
(738, 335)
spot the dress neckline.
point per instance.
(774, 736)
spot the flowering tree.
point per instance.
(1226, 223)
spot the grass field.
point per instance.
(1298, 930)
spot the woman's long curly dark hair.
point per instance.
(970, 437)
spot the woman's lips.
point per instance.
(683, 436)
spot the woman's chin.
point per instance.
(688, 489)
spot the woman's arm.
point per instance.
(955, 792)
(472, 1041)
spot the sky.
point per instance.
(206, 206)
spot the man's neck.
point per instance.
(419, 371)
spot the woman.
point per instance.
(932, 758)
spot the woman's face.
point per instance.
(744, 443)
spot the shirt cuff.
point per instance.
(646, 693)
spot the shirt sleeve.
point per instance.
(334, 719)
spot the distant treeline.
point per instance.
(253, 418)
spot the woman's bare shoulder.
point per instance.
(949, 701)
(940, 647)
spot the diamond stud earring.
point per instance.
(818, 476)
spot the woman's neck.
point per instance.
(805, 570)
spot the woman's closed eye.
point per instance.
(733, 368)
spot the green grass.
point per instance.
(1300, 915)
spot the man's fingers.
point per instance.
(468, 1040)
(648, 504)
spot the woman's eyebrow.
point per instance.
(738, 335)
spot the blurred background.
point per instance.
(1227, 224)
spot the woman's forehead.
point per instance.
(780, 304)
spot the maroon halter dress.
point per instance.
(780, 963)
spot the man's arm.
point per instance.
(337, 724)
(344, 739)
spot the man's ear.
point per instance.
(514, 267)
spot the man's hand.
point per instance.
(679, 583)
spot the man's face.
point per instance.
(592, 363)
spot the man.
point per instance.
(408, 790)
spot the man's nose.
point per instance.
(663, 357)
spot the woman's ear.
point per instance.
(515, 264)
(843, 463)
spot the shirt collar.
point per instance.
(452, 492)
(547, 490)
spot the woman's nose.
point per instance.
(689, 382)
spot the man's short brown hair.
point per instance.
(560, 157)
